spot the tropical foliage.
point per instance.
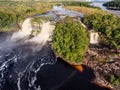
(6, 20)
(17, 11)
(114, 80)
(107, 25)
(70, 40)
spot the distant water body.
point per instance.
(100, 4)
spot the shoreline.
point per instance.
(82, 68)
(112, 8)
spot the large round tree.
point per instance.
(70, 40)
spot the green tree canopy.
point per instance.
(107, 25)
(6, 20)
(70, 40)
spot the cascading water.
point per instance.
(21, 57)
(25, 31)
(45, 35)
(21, 61)
(19, 36)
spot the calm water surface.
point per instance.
(100, 4)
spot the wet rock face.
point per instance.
(111, 68)
(103, 69)
(108, 70)
(103, 73)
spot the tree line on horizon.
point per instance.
(114, 4)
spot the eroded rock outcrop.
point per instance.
(104, 66)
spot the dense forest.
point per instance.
(108, 26)
(115, 4)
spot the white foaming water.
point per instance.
(30, 70)
(45, 35)
(58, 8)
(25, 31)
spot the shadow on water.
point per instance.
(61, 76)
(58, 76)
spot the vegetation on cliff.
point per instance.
(107, 25)
(6, 20)
(70, 40)
(114, 80)
(15, 12)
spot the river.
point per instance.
(100, 4)
(29, 63)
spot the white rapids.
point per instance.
(22, 37)
(22, 56)
(45, 34)
(25, 31)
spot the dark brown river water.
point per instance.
(34, 66)
(62, 76)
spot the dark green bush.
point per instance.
(114, 80)
(13, 13)
(70, 40)
(107, 25)
(6, 20)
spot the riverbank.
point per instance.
(65, 77)
(97, 57)
(53, 75)
(105, 64)
(100, 4)
(113, 5)
(113, 8)
(98, 60)
(13, 13)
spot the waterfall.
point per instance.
(24, 32)
(18, 37)
(45, 34)
(21, 57)
(94, 37)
